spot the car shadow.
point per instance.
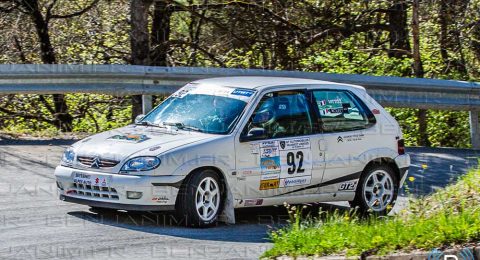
(253, 225)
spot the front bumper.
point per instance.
(111, 205)
(110, 190)
(403, 163)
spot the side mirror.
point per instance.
(139, 118)
(256, 133)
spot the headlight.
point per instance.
(68, 156)
(143, 163)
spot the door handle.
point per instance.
(322, 145)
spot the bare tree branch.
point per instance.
(74, 14)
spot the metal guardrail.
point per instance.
(127, 80)
(143, 80)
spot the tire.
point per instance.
(199, 204)
(377, 190)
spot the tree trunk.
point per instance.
(398, 33)
(63, 120)
(139, 42)
(449, 12)
(422, 114)
(160, 33)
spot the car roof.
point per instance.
(260, 83)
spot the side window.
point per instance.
(281, 114)
(340, 111)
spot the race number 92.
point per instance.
(292, 159)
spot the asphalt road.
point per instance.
(35, 224)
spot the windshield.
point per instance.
(198, 112)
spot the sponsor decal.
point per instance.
(336, 110)
(376, 111)
(248, 172)
(254, 148)
(295, 181)
(269, 144)
(161, 199)
(133, 138)
(269, 184)
(183, 91)
(253, 202)
(87, 179)
(270, 176)
(270, 164)
(350, 138)
(81, 175)
(269, 152)
(349, 185)
(243, 92)
(293, 144)
(336, 101)
(285, 160)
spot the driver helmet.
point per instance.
(265, 113)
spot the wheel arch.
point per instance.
(220, 174)
(383, 161)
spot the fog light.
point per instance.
(134, 195)
(59, 185)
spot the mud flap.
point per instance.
(228, 214)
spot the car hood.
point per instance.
(123, 142)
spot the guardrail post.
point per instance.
(474, 130)
(146, 104)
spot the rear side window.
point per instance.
(340, 110)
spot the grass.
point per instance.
(449, 216)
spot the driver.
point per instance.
(265, 118)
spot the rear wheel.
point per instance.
(200, 199)
(377, 190)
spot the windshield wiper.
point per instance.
(182, 126)
(147, 123)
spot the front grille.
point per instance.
(94, 191)
(101, 163)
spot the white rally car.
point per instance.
(224, 143)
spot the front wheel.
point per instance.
(200, 199)
(377, 190)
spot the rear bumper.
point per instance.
(403, 163)
(157, 192)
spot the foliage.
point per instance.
(362, 37)
(447, 217)
(445, 128)
(94, 113)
